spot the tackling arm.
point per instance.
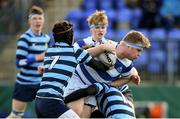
(120, 82)
(97, 65)
(20, 62)
(108, 46)
(91, 90)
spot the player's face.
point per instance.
(133, 53)
(129, 52)
(36, 23)
(98, 32)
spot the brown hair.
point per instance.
(63, 32)
(137, 37)
(97, 17)
(36, 10)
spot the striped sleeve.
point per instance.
(82, 56)
(22, 52)
(22, 48)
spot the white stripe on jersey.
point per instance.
(95, 75)
(113, 72)
(82, 76)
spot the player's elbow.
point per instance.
(21, 62)
(17, 64)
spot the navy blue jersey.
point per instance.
(28, 46)
(60, 62)
(112, 103)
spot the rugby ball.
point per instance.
(107, 58)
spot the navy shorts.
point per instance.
(26, 93)
(49, 108)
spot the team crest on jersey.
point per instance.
(119, 69)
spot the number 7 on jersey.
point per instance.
(53, 62)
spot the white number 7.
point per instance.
(53, 62)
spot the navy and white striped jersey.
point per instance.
(89, 76)
(30, 45)
(60, 63)
(112, 103)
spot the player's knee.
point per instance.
(76, 106)
(78, 110)
(87, 110)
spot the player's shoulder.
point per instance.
(78, 49)
(126, 62)
(27, 35)
(87, 40)
(83, 42)
(46, 36)
(23, 37)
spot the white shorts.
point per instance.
(75, 83)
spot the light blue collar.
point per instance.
(32, 34)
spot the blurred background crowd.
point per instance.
(159, 20)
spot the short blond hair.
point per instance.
(137, 37)
(97, 17)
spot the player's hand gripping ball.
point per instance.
(107, 58)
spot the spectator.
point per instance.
(170, 12)
(150, 13)
(8, 13)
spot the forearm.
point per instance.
(91, 90)
(75, 95)
(108, 46)
(24, 61)
(94, 51)
(120, 82)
